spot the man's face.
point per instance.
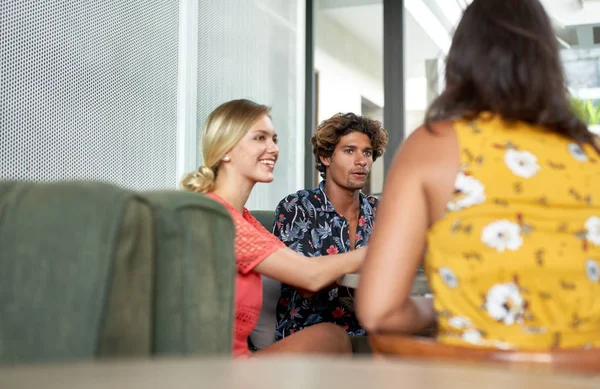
(351, 161)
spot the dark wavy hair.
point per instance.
(328, 134)
(504, 59)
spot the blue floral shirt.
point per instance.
(307, 223)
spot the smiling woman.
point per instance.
(239, 145)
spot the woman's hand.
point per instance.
(312, 274)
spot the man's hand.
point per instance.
(305, 293)
(308, 294)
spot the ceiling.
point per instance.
(574, 12)
(364, 19)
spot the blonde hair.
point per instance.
(223, 129)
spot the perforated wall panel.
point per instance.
(248, 49)
(88, 90)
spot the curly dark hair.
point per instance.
(328, 134)
(504, 59)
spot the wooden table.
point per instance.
(281, 373)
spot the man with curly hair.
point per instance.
(332, 218)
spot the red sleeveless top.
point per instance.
(253, 243)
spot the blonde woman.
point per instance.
(239, 146)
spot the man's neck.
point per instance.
(345, 201)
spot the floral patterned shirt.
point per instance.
(515, 261)
(307, 223)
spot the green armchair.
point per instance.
(266, 218)
(89, 270)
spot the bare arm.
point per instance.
(292, 209)
(407, 209)
(310, 273)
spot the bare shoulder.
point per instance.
(431, 147)
(429, 159)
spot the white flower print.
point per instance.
(472, 336)
(333, 293)
(577, 152)
(502, 235)
(503, 345)
(535, 330)
(470, 192)
(460, 322)
(592, 270)
(592, 225)
(504, 303)
(521, 163)
(448, 277)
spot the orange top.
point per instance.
(253, 244)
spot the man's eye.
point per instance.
(348, 151)
(368, 153)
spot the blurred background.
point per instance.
(117, 91)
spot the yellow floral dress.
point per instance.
(515, 260)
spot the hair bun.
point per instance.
(201, 180)
(206, 173)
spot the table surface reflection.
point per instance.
(283, 372)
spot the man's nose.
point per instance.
(361, 160)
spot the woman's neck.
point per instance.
(234, 191)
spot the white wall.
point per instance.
(419, 48)
(348, 71)
(342, 88)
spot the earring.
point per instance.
(226, 159)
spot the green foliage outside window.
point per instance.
(587, 111)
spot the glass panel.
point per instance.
(248, 49)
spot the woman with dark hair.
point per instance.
(500, 189)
